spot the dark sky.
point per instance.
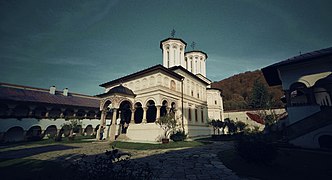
(80, 44)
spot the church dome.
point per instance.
(121, 90)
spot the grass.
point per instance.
(65, 140)
(41, 169)
(147, 146)
(290, 164)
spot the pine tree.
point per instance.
(260, 96)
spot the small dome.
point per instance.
(121, 90)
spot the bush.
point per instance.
(178, 136)
(115, 165)
(256, 149)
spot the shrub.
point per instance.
(256, 149)
(178, 136)
(115, 165)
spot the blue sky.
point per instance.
(80, 44)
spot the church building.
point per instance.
(129, 106)
(177, 86)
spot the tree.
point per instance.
(213, 123)
(168, 123)
(260, 97)
(240, 126)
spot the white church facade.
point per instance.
(179, 86)
(133, 102)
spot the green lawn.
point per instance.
(147, 146)
(38, 169)
(77, 139)
(290, 164)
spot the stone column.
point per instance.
(113, 126)
(158, 112)
(145, 109)
(75, 112)
(133, 116)
(168, 109)
(31, 110)
(102, 123)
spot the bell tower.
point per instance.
(173, 51)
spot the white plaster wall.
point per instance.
(307, 73)
(194, 131)
(297, 113)
(148, 81)
(27, 123)
(198, 61)
(242, 116)
(215, 110)
(175, 49)
(144, 132)
(310, 140)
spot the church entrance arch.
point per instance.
(138, 117)
(151, 112)
(125, 115)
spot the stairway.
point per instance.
(309, 124)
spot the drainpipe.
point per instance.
(182, 104)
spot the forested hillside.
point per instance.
(239, 94)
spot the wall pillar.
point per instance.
(102, 123)
(132, 120)
(145, 109)
(113, 126)
(158, 112)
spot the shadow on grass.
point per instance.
(192, 161)
(21, 153)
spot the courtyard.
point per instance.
(181, 160)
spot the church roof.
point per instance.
(11, 92)
(119, 90)
(161, 42)
(206, 56)
(140, 73)
(271, 72)
(190, 73)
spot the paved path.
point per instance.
(192, 163)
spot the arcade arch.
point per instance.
(151, 112)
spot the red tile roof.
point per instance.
(29, 94)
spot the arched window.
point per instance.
(173, 85)
(186, 62)
(168, 59)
